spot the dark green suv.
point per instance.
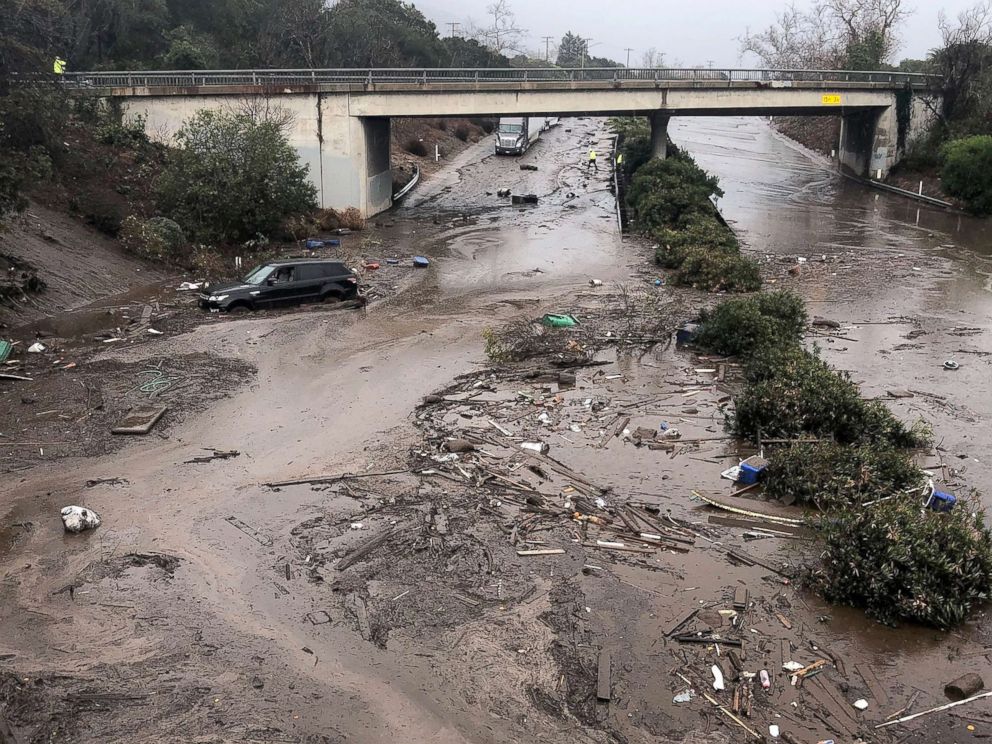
(287, 282)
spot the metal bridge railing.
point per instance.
(427, 76)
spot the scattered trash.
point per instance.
(964, 686)
(559, 321)
(523, 199)
(421, 262)
(528, 167)
(861, 704)
(372, 266)
(356, 526)
(459, 445)
(659, 282)
(36, 348)
(684, 697)
(78, 518)
(937, 500)
(732, 474)
(949, 364)
(773, 731)
(154, 332)
(766, 681)
(392, 261)
(312, 244)
(541, 447)
(792, 666)
(502, 192)
(717, 678)
(687, 333)
(596, 282)
(938, 709)
(672, 433)
(751, 470)
(214, 455)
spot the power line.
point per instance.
(628, 50)
(452, 25)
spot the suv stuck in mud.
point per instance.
(287, 282)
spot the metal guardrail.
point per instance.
(426, 76)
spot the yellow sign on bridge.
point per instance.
(831, 99)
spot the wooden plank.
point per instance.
(755, 524)
(362, 614)
(740, 597)
(877, 691)
(140, 420)
(545, 551)
(603, 686)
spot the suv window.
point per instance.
(335, 269)
(307, 272)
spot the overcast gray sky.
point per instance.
(691, 32)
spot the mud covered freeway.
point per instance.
(209, 607)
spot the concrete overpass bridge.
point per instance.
(340, 118)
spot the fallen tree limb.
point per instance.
(939, 708)
(333, 478)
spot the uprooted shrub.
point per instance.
(903, 563)
(662, 191)
(792, 392)
(157, 239)
(830, 476)
(525, 339)
(745, 325)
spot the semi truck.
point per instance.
(515, 134)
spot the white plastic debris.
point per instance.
(773, 731)
(188, 286)
(600, 502)
(717, 678)
(671, 433)
(36, 348)
(861, 704)
(683, 697)
(357, 526)
(596, 282)
(732, 473)
(792, 666)
(544, 418)
(153, 332)
(78, 518)
(575, 427)
(542, 447)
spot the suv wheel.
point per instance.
(239, 309)
(331, 298)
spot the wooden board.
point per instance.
(140, 420)
(603, 687)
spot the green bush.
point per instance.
(832, 476)
(662, 191)
(967, 172)
(742, 326)
(125, 132)
(462, 132)
(716, 270)
(792, 393)
(232, 178)
(901, 562)
(157, 239)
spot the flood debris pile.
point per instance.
(621, 316)
(671, 202)
(889, 542)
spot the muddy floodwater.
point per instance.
(215, 605)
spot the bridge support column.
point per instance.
(869, 144)
(659, 135)
(354, 168)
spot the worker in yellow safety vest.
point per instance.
(592, 161)
(619, 160)
(59, 66)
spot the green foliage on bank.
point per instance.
(671, 201)
(903, 563)
(831, 476)
(745, 325)
(967, 172)
(232, 177)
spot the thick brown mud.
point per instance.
(209, 607)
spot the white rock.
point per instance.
(78, 518)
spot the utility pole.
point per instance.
(452, 25)
(628, 50)
(547, 47)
